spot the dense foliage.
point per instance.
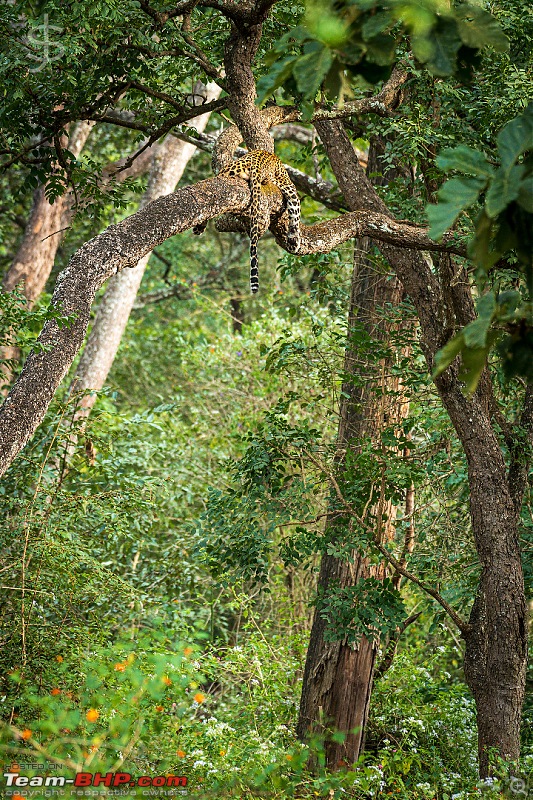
(158, 580)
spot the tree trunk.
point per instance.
(338, 677)
(43, 234)
(496, 642)
(168, 165)
(36, 254)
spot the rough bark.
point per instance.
(496, 646)
(240, 50)
(124, 244)
(338, 678)
(168, 165)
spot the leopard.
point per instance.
(261, 168)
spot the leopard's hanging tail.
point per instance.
(264, 171)
(255, 233)
(254, 269)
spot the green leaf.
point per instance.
(477, 28)
(479, 248)
(328, 28)
(525, 192)
(464, 159)
(293, 37)
(508, 302)
(377, 24)
(275, 78)
(516, 137)
(381, 49)
(454, 196)
(475, 333)
(474, 360)
(504, 188)
(445, 43)
(445, 356)
(311, 69)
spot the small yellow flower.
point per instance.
(199, 697)
(55, 691)
(92, 715)
(59, 659)
(26, 734)
(187, 652)
(222, 752)
(180, 754)
(167, 681)
(159, 708)
(120, 667)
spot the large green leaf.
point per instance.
(474, 360)
(477, 28)
(445, 44)
(382, 21)
(475, 333)
(380, 50)
(525, 193)
(516, 137)
(480, 248)
(464, 159)
(275, 78)
(311, 69)
(456, 195)
(504, 188)
(445, 356)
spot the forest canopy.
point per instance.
(271, 544)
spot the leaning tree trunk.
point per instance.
(168, 165)
(338, 678)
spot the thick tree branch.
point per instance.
(122, 246)
(161, 17)
(323, 236)
(239, 53)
